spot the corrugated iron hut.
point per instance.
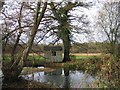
(53, 53)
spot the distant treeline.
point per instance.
(91, 47)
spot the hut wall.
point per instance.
(59, 56)
(53, 54)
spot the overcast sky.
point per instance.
(92, 13)
(92, 16)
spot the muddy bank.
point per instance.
(26, 84)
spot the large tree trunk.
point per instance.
(64, 28)
(66, 43)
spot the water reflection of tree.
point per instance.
(67, 82)
(66, 71)
(67, 78)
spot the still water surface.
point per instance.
(59, 77)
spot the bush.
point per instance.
(109, 72)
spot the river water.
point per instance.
(63, 78)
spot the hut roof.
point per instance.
(52, 48)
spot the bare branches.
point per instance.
(19, 34)
(11, 32)
(42, 13)
(109, 23)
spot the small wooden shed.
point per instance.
(53, 53)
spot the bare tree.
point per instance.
(16, 66)
(109, 23)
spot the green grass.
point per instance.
(40, 58)
(83, 57)
(7, 58)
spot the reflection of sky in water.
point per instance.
(76, 79)
(79, 79)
